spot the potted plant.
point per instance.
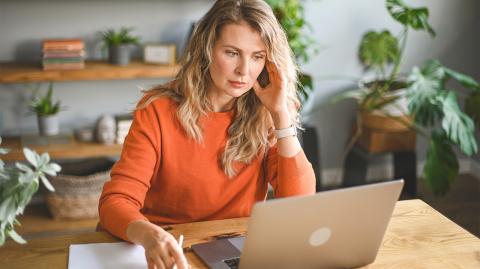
(47, 113)
(431, 108)
(17, 186)
(119, 44)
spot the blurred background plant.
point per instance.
(122, 36)
(17, 186)
(291, 15)
(47, 112)
(119, 44)
(433, 109)
(44, 105)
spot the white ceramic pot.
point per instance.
(48, 125)
(105, 129)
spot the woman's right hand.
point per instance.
(161, 249)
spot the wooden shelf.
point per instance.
(73, 150)
(13, 72)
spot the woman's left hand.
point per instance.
(274, 95)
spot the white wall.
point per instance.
(337, 24)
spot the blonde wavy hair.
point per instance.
(251, 127)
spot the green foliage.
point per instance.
(112, 37)
(441, 166)
(430, 102)
(44, 105)
(435, 109)
(416, 18)
(377, 49)
(458, 126)
(291, 15)
(17, 186)
(305, 87)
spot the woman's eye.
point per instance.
(258, 57)
(232, 53)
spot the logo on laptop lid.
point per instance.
(320, 236)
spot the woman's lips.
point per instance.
(237, 84)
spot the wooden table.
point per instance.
(417, 237)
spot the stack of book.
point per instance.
(63, 54)
(123, 125)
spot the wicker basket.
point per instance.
(78, 189)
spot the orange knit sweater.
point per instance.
(165, 177)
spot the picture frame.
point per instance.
(163, 54)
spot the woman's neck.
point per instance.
(221, 103)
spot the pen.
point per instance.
(180, 243)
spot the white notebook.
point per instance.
(106, 255)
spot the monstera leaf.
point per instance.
(424, 85)
(416, 18)
(377, 49)
(458, 127)
(441, 166)
(465, 80)
(429, 101)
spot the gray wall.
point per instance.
(337, 24)
(23, 24)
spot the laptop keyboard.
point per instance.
(232, 263)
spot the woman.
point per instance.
(206, 145)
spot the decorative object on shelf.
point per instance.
(105, 129)
(63, 54)
(123, 123)
(119, 44)
(84, 134)
(433, 110)
(159, 54)
(47, 113)
(17, 186)
(78, 188)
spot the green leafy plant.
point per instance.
(44, 105)
(291, 15)
(433, 106)
(17, 186)
(111, 37)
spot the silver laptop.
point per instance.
(333, 229)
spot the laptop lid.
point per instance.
(333, 229)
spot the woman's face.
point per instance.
(238, 57)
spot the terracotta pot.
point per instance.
(384, 123)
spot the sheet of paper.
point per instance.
(106, 255)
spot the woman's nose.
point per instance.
(243, 67)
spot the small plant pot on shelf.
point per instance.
(48, 125)
(119, 54)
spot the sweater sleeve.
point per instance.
(124, 195)
(289, 176)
